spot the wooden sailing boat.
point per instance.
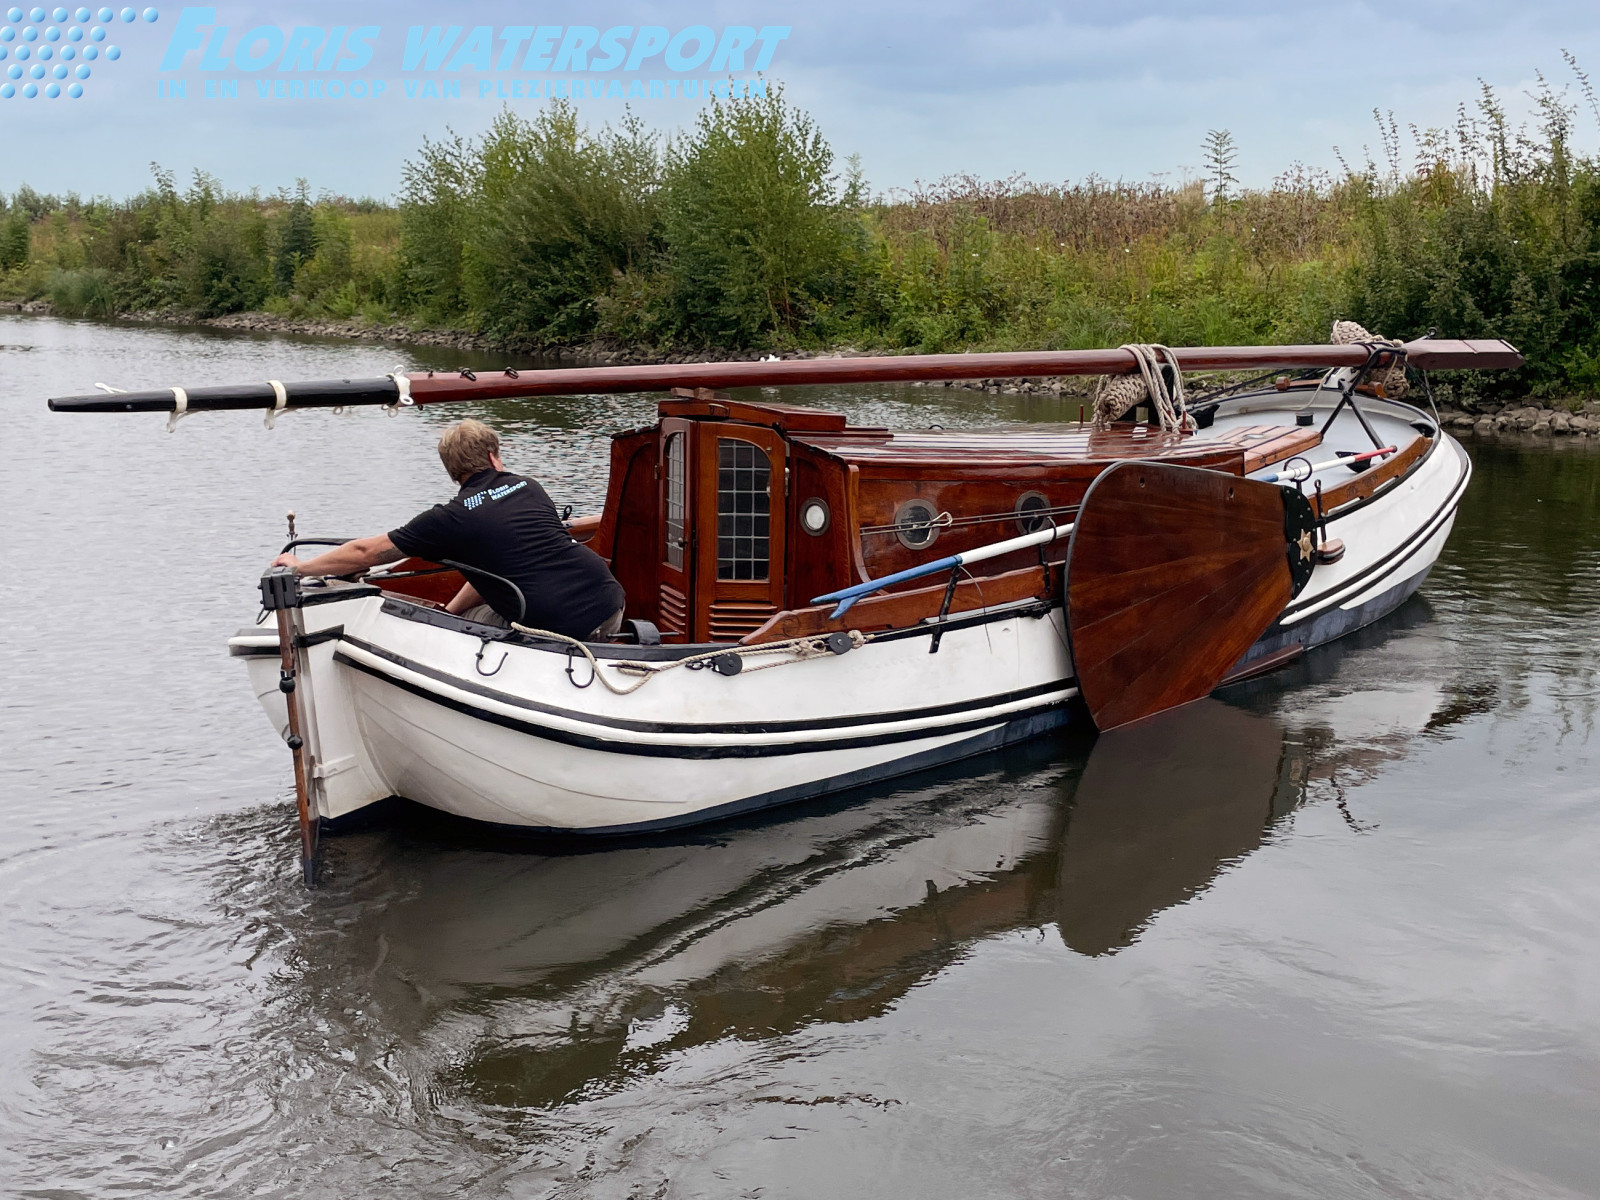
(815, 605)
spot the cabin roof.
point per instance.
(1035, 445)
(791, 418)
(829, 433)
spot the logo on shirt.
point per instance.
(495, 493)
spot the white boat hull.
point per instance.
(529, 746)
(411, 704)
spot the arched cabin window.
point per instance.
(744, 510)
(674, 522)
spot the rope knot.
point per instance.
(1119, 393)
(1393, 380)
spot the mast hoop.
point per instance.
(402, 393)
(180, 408)
(280, 403)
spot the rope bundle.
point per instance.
(1392, 381)
(1118, 393)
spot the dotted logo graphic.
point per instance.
(51, 58)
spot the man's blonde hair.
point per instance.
(465, 448)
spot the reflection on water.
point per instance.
(1329, 933)
(581, 971)
(1161, 808)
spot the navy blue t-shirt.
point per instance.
(506, 523)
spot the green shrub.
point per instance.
(86, 292)
(742, 233)
(754, 224)
(294, 239)
(436, 198)
(558, 214)
(14, 241)
(329, 267)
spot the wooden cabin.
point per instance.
(726, 518)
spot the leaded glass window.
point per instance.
(744, 510)
(675, 501)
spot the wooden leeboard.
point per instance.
(1172, 574)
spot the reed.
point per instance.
(744, 232)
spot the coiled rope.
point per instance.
(1391, 383)
(1118, 393)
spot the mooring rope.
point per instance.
(980, 519)
(1118, 393)
(799, 650)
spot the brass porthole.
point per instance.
(1031, 512)
(815, 517)
(914, 524)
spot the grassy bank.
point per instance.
(745, 232)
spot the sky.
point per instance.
(1052, 91)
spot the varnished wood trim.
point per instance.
(1292, 441)
(858, 562)
(1370, 480)
(898, 610)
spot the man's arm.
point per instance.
(466, 598)
(354, 556)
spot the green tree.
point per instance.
(560, 214)
(755, 228)
(295, 238)
(437, 196)
(1220, 153)
(15, 236)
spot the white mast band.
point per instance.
(281, 402)
(180, 408)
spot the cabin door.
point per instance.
(675, 601)
(738, 506)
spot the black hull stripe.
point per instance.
(1386, 565)
(648, 750)
(1019, 729)
(1334, 623)
(730, 728)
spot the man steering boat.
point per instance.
(503, 529)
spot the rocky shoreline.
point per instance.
(1526, 418)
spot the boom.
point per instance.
(433, 387)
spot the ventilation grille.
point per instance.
(673, 614)
(731, 621)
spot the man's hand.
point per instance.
(348, 559)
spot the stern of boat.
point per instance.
(344, 777)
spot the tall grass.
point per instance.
(745, 232)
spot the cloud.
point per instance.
(1055, 91)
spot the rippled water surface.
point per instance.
(1332, 934)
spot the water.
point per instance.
(1333, 935)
